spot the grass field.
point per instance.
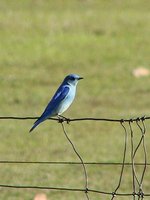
(43, 41)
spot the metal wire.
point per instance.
(68, 189)
(132, 159)
(142, 140)
(80, 158)
(123, 161)
(68, 163)
(137, 179)
(76, 119)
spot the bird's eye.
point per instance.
(72, 78)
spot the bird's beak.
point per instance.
(80, 78)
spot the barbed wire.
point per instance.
(137, 180)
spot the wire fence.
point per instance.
(127, 126)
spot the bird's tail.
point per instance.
(36, 123)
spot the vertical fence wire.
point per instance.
(80, 158)
(134, 151)
(132, 159)
(142, 144)
(123, 160)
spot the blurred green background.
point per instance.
(40, 43)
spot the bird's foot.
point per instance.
(62, 119)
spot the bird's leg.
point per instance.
(62, 119)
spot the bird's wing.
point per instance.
(60, 94)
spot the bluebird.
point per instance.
(61, 100)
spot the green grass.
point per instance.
(41, 42)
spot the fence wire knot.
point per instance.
(113, 194)
(143, 118)
(138, 119)
(131, 120)
(141, 194)
(122, 121)
(86, 190)
(134, 194)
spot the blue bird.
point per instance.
(61, 100)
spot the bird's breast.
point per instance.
(67, 101)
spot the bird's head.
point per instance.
(72, 79)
